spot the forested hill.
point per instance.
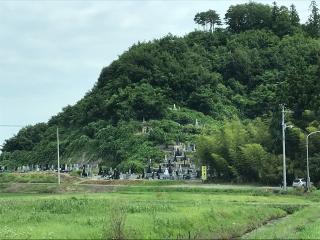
(231, 80)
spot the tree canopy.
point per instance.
(209, 17)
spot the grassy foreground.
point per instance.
(75, 211)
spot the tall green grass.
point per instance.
(78, 211)
(167, 215)
(32, 177)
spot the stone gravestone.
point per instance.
(84, 174)
(100, 172)
(166, 173)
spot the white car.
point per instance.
(299, 183)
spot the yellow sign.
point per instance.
(204, 173)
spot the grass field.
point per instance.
(149, 211)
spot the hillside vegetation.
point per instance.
(231, 80)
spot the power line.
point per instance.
(9, 125)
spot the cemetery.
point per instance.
(176, 165)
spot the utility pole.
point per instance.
(308, 174)
(284, 127)
(307, 145)
(58, 152)
(284, 151)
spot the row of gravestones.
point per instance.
(170, 173)
(85, 169)
(48, 167)
(171, 167)
(173, 176)
(115, 174)
(148, 174)
(109, 173)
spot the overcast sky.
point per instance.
(53, 51)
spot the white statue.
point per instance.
(174, 107)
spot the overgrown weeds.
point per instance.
(117, 220)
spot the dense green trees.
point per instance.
(230, 80)
(240, 152)
(26, 139)
(281, 20)
(248, 16)
(313, 25)
(209, 17)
